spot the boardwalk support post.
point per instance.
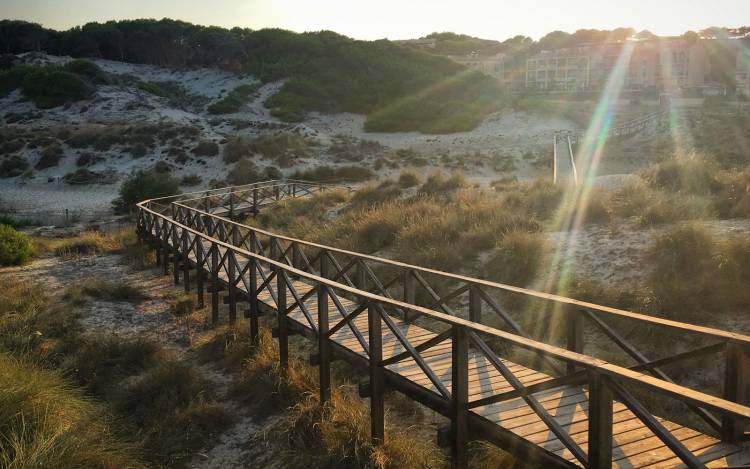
(175, 256)
(185, 261)
(199, 261)
(377, 381)
(214, 284)
(460, 397)
(323, 343)
(281, 288)
(600, 422)
(475, 305)
(735, 390)
(253, 297)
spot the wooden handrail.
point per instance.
(705, 331)
(602, 367)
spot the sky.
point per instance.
(399, 19)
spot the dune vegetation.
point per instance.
(323, 71)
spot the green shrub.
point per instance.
(49, 87)
(244, 172)
(142, 185)
(236, 148)
(50, 157)
(86, 68)
(206, 148)
(46, 423)
(688, 174)
(517, 258)
(695, 275)
(438, 183)
(15, 247)
(13, 166)
(233, 101)
(190, 180)
(409, 178)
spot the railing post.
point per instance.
(175, 256)
(475, 304)
(294, 190)
(410, 290)
(600, 422)
(377, 381)
(360, 278)
(323, 342)
(231, 205)
(232, 286)
(255, 200)
(215, 284)
(460, 397)
(165, 247)
(281, 314)
(185, 261)
(574, 331)
(253, 301)
(296, 261)
(735, 390)
(199, 273)
(157, 233)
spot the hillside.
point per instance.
(398, 88)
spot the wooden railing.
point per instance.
(250, 261)
(628, 128)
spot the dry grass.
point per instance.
(517, 258)
(85, 244)
(334, 435)
(47, 423)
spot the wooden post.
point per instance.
(157, 235)
(231, 205)
(199, 273)
(231, 278)
(377, 381)
(253, 293)
(175, 256)
(185, 262)
(574, 331)
(323, 342)
(460, 397)
(215, 284)
(296, 258)
(475, 304)
(281, 314)
(165, 249)
(255, 200)
(735, 390)
(600, 422)
(410, 290)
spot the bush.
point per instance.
(13, 166)
(46, 423)
(331, 174)
(688, 174)
(438, 183)
(237, 148)
(50, 157)
(409, 178)
(86, 68)
(190, 180)
(694, 274)
(233, 101)
(15, 247)
(244, 172)
(517, 258)
(206, 148)
(142, 185)
(48, 87)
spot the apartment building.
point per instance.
(499, 66)
(663, 64)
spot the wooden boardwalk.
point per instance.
(538, 416)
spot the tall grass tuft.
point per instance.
(44, 422)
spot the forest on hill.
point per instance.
(400, 89)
